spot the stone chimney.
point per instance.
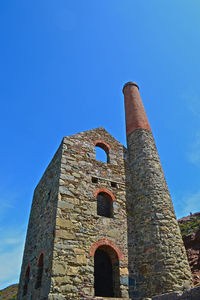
(160, 262)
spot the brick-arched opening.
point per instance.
(26, 279)
(103, 190)
(106, 242)
(104, 146)
(110, 252)
(104, 202)
(40, 265)
(106, 272)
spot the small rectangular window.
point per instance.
(104, 205)
(94, 180)
(114, 184)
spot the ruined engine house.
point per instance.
(104, 229)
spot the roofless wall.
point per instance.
(104, 228)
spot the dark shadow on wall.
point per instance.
(132, 278)
(106, 272)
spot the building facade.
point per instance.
(104, 229)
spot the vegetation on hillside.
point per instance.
(9, 293)
(190, 225)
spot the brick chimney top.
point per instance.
(134, 109)
(129, 83)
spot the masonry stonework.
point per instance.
(76, 230)
(159, 254)
(41, 231)
(131, 247)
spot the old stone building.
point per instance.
(104, 229)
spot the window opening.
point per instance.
(102, 151)
(106, 272)
(26, 280)
(94, 180)
(101, 154)
(104, 205)
(49, 195)
(114, 184)
(40, 271)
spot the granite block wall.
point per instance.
(160, 258)
(65, 226)
(79, 230)
(41, 232)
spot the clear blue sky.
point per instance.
(62, 67)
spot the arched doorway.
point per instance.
(106, 272)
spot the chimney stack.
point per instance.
(160, 259)
(134, 109)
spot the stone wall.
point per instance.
(79, 230)
(192, 294)
(65, 226)
(142, 233)
(159, 254)
(41, 231)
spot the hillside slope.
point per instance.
(9, 293)
(190, 229)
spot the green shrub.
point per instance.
(190, 226)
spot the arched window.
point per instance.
(106, 272)
(26, 280)
(102, 151)
(101, 154)
(39, 271)
(104, 205)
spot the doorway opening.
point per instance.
(106, 272)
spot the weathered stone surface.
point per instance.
(158, 245)
(64, 223)
(59, 269)
(41, 228)
(72, 220)
(192, 294)
(63, 234)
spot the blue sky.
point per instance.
(63, 66)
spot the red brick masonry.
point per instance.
(103, 242)
(103, 190)
(134, 109)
